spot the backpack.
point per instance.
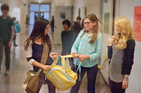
(17, 27)
(61, 77)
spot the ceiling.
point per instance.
(37, 1)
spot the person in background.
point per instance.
(6, 36)
(121, 52)
(17, 29)
(52, 24)
(34, 47)
(67, 37)
(76, 27)
(88, 45)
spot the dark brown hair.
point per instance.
(5, 7)
(38, 31)
(78, 18)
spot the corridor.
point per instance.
(19, 66)
(107, 11)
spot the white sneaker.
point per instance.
(7, 72)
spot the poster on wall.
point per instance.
(62, 15)
(106, 22)
(137, 23)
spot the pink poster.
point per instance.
(137, 23)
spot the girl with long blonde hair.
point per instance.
(121, 52)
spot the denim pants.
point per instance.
(91, 77)
(7, 54)
(14, 40)
(116, 87)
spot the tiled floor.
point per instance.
(19, 66)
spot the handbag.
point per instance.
(32, 78)
(61, 77)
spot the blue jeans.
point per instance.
(91, 77)
(14, 40)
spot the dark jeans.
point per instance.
(116, 87)
(7, 54)
(71, 64)
(14, 40)
(91, 77)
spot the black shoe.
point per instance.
(15, 45)
(7, 72)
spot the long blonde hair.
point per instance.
(126, 32)
(93, 18)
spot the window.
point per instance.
(34, 7)
(46, 16)
(44, 7)
(32, 18)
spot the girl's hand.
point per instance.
(112, 38)
(53, 55)
(125, 84)
(74, 55)
(46, 67)
(82, 57)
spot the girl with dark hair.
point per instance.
(38, 37)
(88, 45)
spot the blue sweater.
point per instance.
(82, 46)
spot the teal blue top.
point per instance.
(17, 27)
(82, 46)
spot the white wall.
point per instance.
(108, 7)
(94, 6)
(56, 8)
(58, 22)
(23, 13)
(126, 8)
(79, 4)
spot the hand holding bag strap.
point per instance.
(44, 55)
(55, 61)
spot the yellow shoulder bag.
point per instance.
(62, 77)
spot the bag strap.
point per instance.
(79, 68)
(63, 62)
(44, 55)
(55, 61)
(62, 58)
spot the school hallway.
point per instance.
(107, 12)
(19, 66)
(12, 83)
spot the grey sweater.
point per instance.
(115, 66)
